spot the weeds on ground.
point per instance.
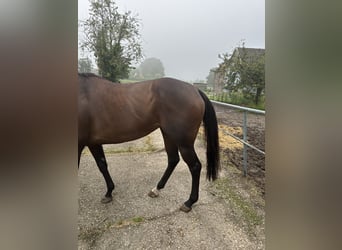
(243, 197)
(92, 234)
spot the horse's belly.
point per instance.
(120, 134)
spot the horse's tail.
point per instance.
(211, 134)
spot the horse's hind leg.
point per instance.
(191, 159)
(173, 159)
(97, 152)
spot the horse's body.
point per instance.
(114, 113)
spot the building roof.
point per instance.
(250, 53)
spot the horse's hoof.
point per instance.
(185, 208)
(105, 199)
(153, 193)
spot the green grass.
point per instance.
(241, 205)
(237, 99)
(245, 208)
(91, 235)
(128, 81)
(138, 219)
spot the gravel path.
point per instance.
(228, 215)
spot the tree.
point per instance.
(151, 68)
(245, 73)
(113, 38)
(134, 74)
(84, 65)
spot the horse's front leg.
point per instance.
(97, 152)
(172, 158)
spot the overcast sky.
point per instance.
(188, 35)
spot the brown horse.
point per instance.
(115, 113)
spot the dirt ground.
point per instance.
(229, 214)
(231, 120)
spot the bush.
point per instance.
(237, 99)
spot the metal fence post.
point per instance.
(244, 140)
(244, 145)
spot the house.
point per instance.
(250, 54)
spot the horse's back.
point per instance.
(114, 113)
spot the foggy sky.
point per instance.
(188, 35)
